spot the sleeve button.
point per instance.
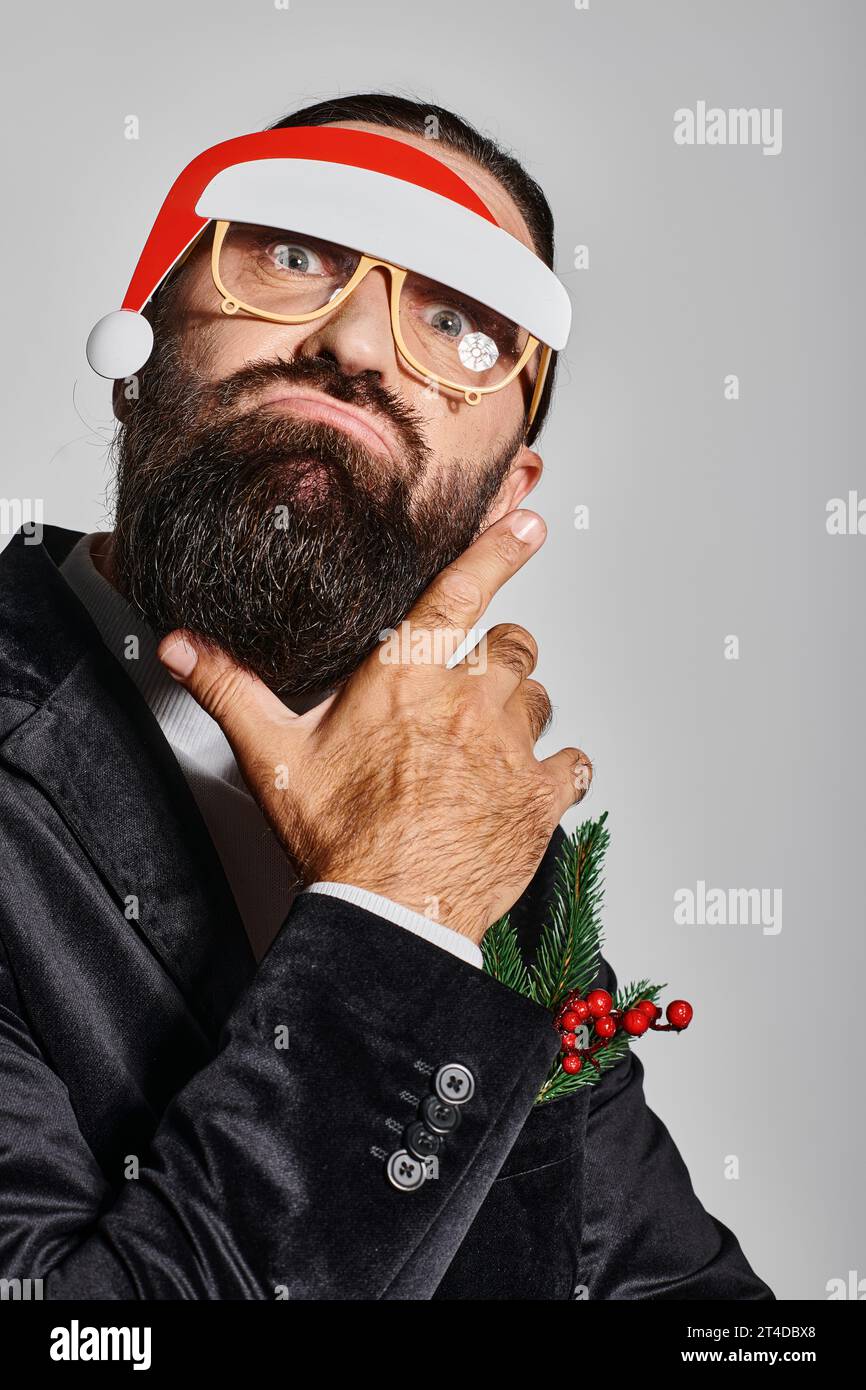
(454, 1083)
(405, 1172)
(420, 1141)
(439, 1115)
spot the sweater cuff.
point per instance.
(445, 937)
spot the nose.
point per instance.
(357, 335)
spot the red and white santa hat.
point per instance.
(373, 193)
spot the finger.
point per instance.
(241, 704)
(570, 770)
(460, 593)
(530, 703)
(510, 654)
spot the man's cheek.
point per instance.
(448, 429)
(216, 347)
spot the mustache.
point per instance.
(363, 389)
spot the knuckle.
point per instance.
(538, 708)
(512, 646)
(525, 637)
(468, 704)
(223, 693)
(460, 587)
(509, 654)
(509, 548)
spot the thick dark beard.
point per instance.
(283, 541)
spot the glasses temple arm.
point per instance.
(540, 379)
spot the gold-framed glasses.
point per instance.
(443, 336)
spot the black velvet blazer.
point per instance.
(176, 1122)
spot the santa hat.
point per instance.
(373, 193)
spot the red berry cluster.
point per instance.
(598, 1006)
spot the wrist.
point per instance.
(405, 917)
(433, 907)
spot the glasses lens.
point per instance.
(455, 337)
(280, 272)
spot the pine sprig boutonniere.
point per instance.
(596, 1028)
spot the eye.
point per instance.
(295, 258)
(448, 320)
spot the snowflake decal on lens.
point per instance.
(477, 352)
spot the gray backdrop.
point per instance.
(707, 515)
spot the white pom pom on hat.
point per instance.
(119, 344)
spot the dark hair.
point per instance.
(402, 113)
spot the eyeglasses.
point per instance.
(443, 336)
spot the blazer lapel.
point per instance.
(98, 754)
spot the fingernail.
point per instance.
(179, 658)
(526, 526)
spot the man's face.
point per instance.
(288, 491)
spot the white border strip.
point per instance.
(400, 222)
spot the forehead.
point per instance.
(488, 188)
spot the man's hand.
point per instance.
(414, 780)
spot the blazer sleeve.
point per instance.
(645, 1233)
(267, 1175)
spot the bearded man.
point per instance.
(248, 862)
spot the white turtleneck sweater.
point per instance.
(259, 872)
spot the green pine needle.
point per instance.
(629, 995)
(570, 944)
(568, 955)
(502, 957)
